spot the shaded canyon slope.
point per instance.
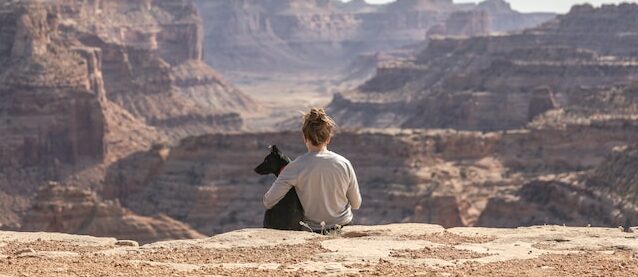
(326, 35)
(500, 82)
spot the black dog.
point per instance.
(286, 214)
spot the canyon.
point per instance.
(288, 36)
(446, 177)
(115, 119)
(307, 51)
(502, 131)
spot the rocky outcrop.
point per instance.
(604, 196)
(51, 99)
(65, 209)
(492, 83)
(556, 202)
(385, 250)
(618, 175)
(288, 36)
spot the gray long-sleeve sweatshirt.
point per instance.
(326, 185)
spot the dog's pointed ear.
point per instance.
(274, 149)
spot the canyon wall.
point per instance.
(152, 64)
(617, 175)
(67, 209)
(604, 196)
(286, 36)
(499, 82)
(51, 102)
(69, 67)
(447, 177)
(84, 83)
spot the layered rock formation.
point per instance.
(83, 84)
(498, 82)
(152, 64)
(64, 64)
(65, 209)
(445, 177)
(618, 175)
(51, 101)
(463, 24)
(605, 196)
(287, 36)
(601, 196)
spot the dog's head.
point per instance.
(273, 163)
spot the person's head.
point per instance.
(318, 129)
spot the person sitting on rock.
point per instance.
(325, 181)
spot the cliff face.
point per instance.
(604, 196)
(618, 175)
(64, 63)
(284, 35)
(444, 177)
(51, 96)
(65, 209)
(498, 82)
(152, 64)
(84, 83)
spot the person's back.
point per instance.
(325, 181)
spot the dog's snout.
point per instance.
(261, 169)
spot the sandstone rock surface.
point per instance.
(50, 109)
(398, 250)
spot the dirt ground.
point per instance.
(396, 250)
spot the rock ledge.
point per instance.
(398, 249)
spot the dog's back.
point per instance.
(286, 214)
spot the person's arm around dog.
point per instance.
(324, 180)
(285, 181)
